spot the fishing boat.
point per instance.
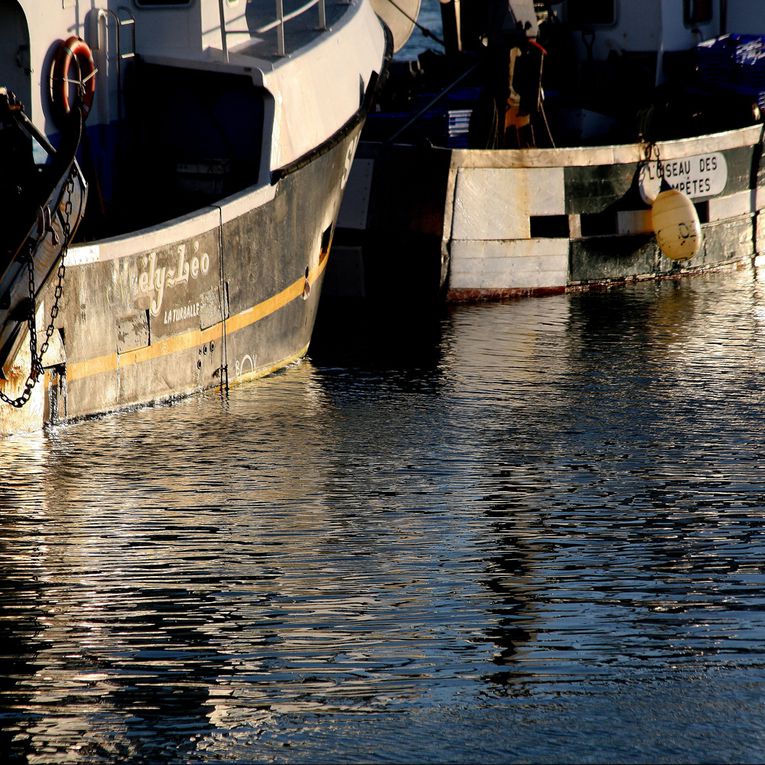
(554, 146)
(172, 174)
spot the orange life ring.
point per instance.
(76, 50)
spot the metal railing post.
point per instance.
(223, 39)
(280, 46)
(281, 20)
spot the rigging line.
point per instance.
(425, 31)
(432, 103)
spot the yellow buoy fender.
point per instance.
(676, 225)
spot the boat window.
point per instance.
(588, 12)
(697, 11)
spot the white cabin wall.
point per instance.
(233, 11)
(677, 35)
(160, 30)
(652, 25)
(314, 93)
(56, 22)
(638, 26)
(746, 17)
(171, 30)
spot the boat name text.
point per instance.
(154, 278)
(702, 175)
(180, 314)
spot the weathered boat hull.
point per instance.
(215, 140)
(223, 295)
(502, 223)
(540, 220)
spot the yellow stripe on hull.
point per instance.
(110, 362)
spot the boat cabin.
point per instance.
(588, 72)
(203, 97)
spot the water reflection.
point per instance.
(516, 533)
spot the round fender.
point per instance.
(676, 224)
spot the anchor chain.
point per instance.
(37, 355)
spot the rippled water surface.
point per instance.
(530, 531)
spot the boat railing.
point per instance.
(281, 19)
(122, 17)
(109, 27)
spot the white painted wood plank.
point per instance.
(493, 203)
(604, 155)
(730, 206)
(509, 264)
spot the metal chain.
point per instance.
(653, 154)
(36, 369)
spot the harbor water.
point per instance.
(427, 33)
(530, 531)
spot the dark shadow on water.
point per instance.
(368, 335)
